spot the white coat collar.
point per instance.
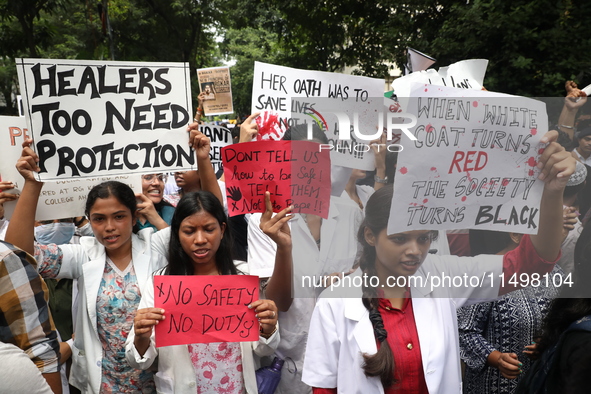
(424, 310)
(94, 269)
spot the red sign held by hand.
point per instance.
(206, 308)
(294, 172)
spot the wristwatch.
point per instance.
(377, 179)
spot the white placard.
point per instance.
(289, 96)
(465, 74)
(100, 118)
(59, 199)
(473, 164)
(219, 137)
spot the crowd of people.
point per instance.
(77, 294)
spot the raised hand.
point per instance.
(27, 163)
(249, 129)
(276, 227)
(556, 164)
(199, 141)
(4, 197)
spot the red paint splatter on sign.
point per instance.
(433, 168)
(505, 182)
(475, 104)
(534, 131)
(269, 126)
(531, 162)
(425, 200)
(531, 173)
(463, 198)
(403, 170)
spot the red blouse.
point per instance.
(402, 331)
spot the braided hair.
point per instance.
(377, 212)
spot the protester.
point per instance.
(494, 335)
(201, 245)
(153, 210)
(4, 197)
(115, 264)
(26, 323)
(564, 363)
(417, 338)
(323, 249)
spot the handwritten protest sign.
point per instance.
(288, 97)
(93, 118)
(219, 137)
(294, 172)
(473, 164)
(59, 199)
(206, 308)
(215, 82)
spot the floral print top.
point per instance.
(117, 300)
(218, 367)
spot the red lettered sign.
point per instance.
(294, 172)
(206, 308)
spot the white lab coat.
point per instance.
(341, 332)
(337, 253)
(175, 369)
(86, 262)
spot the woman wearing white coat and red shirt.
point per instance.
(416, 329)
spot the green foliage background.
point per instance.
(534, 46)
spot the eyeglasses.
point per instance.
(152, 177)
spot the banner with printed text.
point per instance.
(288, 97)
(206, 308)
(101, 118)
(473, 165)
(216, 84)
(60, 199)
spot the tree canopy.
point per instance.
(534, 46)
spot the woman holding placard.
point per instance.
(112, 269)
(414, 346)
(200, 245)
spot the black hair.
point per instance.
(377, 213)
(299, 132)
(191, 203)
(120, 191)
(575, 301)
(570, 191)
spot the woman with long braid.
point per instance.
(414, 346)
